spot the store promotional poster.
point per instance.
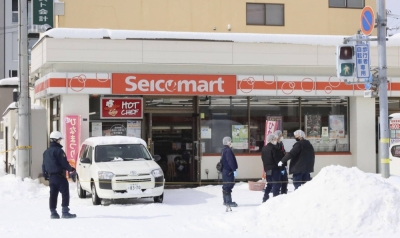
(272, 124)
(72, 137)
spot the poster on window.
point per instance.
(272, 124)
(240, 136)
(312, 126)
(336, 126)
(134, 128)
(97, 129)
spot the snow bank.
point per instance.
(337, 201)
(13, 188)
(9, 81)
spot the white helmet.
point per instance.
(56, 135)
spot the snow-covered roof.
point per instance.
(323, 40)
(9, 81)
(13, 105)
(105, 140)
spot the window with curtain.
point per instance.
(269, 14)
(347, 3)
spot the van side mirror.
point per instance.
(395, 151)
(85, 161)
(156, 157)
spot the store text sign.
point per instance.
(72, 137)
(173, 84)
(120, 108)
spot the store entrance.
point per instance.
(172, 134)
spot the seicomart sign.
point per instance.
(173, 84)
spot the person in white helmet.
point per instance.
(54, 169)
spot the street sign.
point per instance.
(42, 12)
(362, 61)
(367, 20)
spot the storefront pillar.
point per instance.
(75, 105)
(362, 133)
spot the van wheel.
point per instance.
(81, 192)
(95, 199)
(159, 199)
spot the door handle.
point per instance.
(84, 166)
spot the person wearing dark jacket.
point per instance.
(302, 159)
(269, 156)
(54, 169)
(229, 167)
(280, 154)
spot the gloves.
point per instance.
(46, 176)
(234, 173)
(280, 164)
(72, 175)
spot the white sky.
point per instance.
(394, 19)
(338, 202)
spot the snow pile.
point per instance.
(337, 201)
(13, 188)
(2, 169)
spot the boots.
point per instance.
(223, 197)
(228, 199)
(66, 214)
(54, 214)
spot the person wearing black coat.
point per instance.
(302, 158)
(280, 154)
(229, 167)
(54, 167)
(269, 156)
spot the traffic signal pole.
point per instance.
(383, 97)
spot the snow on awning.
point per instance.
(322, 40)
(9, 81)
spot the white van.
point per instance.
(118, 167)
(394, 153)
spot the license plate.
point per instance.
(134, 186)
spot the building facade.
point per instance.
(318, 17)
(187, 91)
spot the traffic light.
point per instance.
(345, 62)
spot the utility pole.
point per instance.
(383, 97)
(24, 109)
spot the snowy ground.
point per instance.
(338, 202)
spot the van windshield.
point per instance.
(122, 152)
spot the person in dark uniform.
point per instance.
(229, 167)
(280, 154)
(269, 157)
(302, 157)
(54, 169)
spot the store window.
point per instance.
(268, 14)
(116, 119)
(323, 119)
(55, 113)
(224, 116)
(347, 3)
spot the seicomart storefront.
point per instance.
(183, 93)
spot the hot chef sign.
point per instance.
(121, 108)
(173, 84)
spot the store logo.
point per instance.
(173, 84)
(162, 85)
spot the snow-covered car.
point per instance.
(118, 167)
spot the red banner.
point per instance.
(72, 137)
(121, 108)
